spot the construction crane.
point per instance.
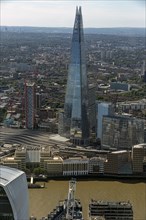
(71, 200)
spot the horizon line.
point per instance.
(69, 27)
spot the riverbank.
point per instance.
(99, 177)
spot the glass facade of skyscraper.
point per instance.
(76, 123)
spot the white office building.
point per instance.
(75, 166)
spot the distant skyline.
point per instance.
(58, 13)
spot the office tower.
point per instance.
(38, 101)
(138, 158)
(13, 194)
(143, 71)
(145, 134)
(75, 118)
(103, 109)
(144, 77)
(92, 108)
(122, 132)
(30, 105)
(143, 67)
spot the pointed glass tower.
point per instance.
(76, 121)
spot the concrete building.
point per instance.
(118, 162)
(75, 166)
(14, 203)
(138, 158)
(28, 157)
(133, 105)
(122, 132)
(54, 166)
(12, 162)
(96, 165)
(110, 210)
(30, 105)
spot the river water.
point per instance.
(43, 201)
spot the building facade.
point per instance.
(96, 165)
(29, 157)
(122, 132)
(30, 105)
(138, 158)
(103, 109)
(118, 162)
(14, 203)
(75, 166)
(54, 166)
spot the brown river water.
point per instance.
(43, 201)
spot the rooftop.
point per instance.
(140, 145)
(59, 138)
(119, 152)
(8, 174)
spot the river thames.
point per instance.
(43, 201)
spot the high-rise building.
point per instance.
(144, 77)
(30, 105)
(92, 108)
(122, 132)
(13, 194)
(143, 66)
(103, 109)
(75, 118)
(38, 101)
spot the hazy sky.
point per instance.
(58, 13)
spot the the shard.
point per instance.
(75, 117)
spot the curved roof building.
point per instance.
(13, 194)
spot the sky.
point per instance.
(59, 13)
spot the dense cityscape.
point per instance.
(72, 107)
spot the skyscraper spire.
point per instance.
(76, 10)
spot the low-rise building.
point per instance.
(54, 166)
(138, 158)
(118, 162)
(96, 165)
(75, 166)
(119, 86)
(28, 157)
(132, 105)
